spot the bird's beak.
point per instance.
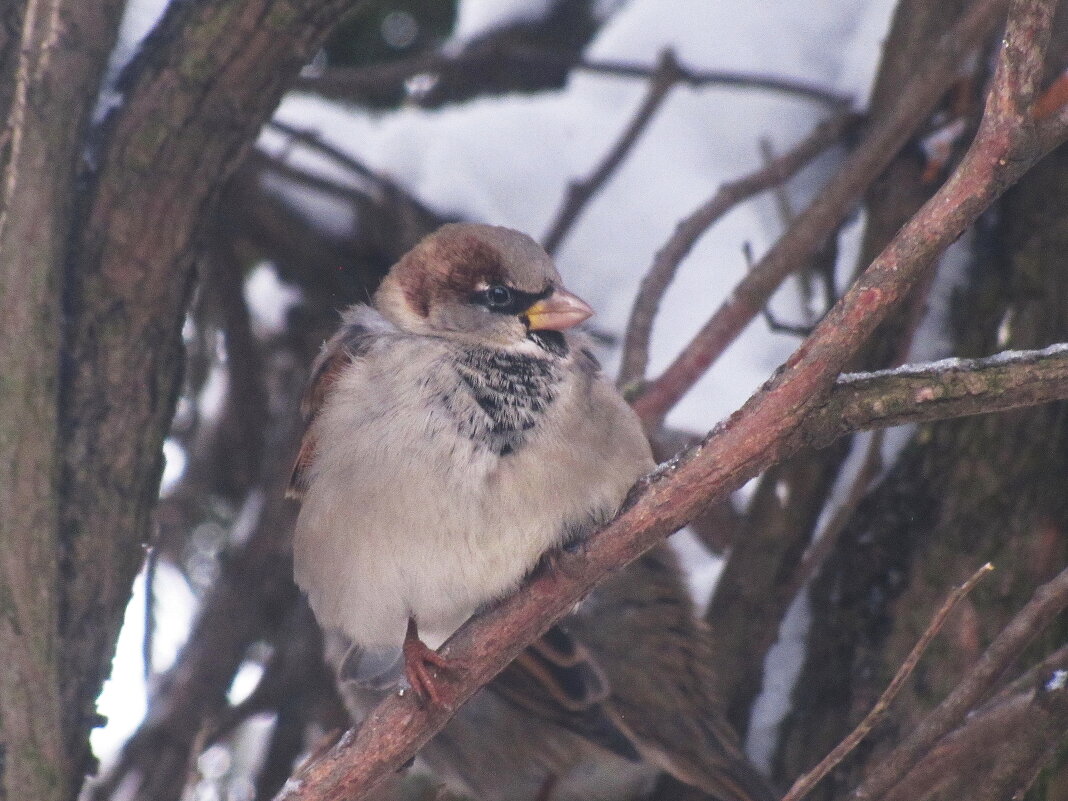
(558, 311)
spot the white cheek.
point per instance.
(530, 347)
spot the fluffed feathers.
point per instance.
(456, 431)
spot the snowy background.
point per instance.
(507, 161)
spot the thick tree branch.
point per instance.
(758, 435)
(195, 98)
(55, 51)
(939, 391)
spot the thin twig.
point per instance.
(314, 140)
(148, 639)
(785, 208)
(953, 758)
(738, 80)
(579, 193)
(805, 783)
(1048, 601)
(666, 262)
(813, 226)
(379, 186)
(783, 204)
(276, 166)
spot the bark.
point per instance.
(253, 599)
(52, 54)
(82, 431)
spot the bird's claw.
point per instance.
(419, 660)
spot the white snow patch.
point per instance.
(213, 393)
(1057, 681)
(138, 18)
(703, 568)
(269, 299)
(248, 676)
(782, 666)
(123, 700)
(174, 460)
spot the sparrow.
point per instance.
(457, 431)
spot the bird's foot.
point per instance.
(556, 559)
(419, 660)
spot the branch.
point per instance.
(1047, 602)
(956, 755)
(579, 193)
(52, 54)
(479, 69)
(805, 783)
(1003, 726)
(313, 140)
(635, 356)
(812, 227)
(738, 80)
(757, 436)
(939, 391)
(195, 99)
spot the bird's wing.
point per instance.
(659, 659)
(352, 341)
(557, 679)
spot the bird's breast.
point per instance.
(498, 398)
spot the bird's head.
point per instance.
(479, 283)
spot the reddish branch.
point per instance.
(813, 226)
(763, 432)
(665, 264)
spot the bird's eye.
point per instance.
(498, 296)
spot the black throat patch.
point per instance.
(510, 390)
(550, 341)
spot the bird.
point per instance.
(618, 693)
(459, 431)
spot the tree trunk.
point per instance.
(52, 62)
